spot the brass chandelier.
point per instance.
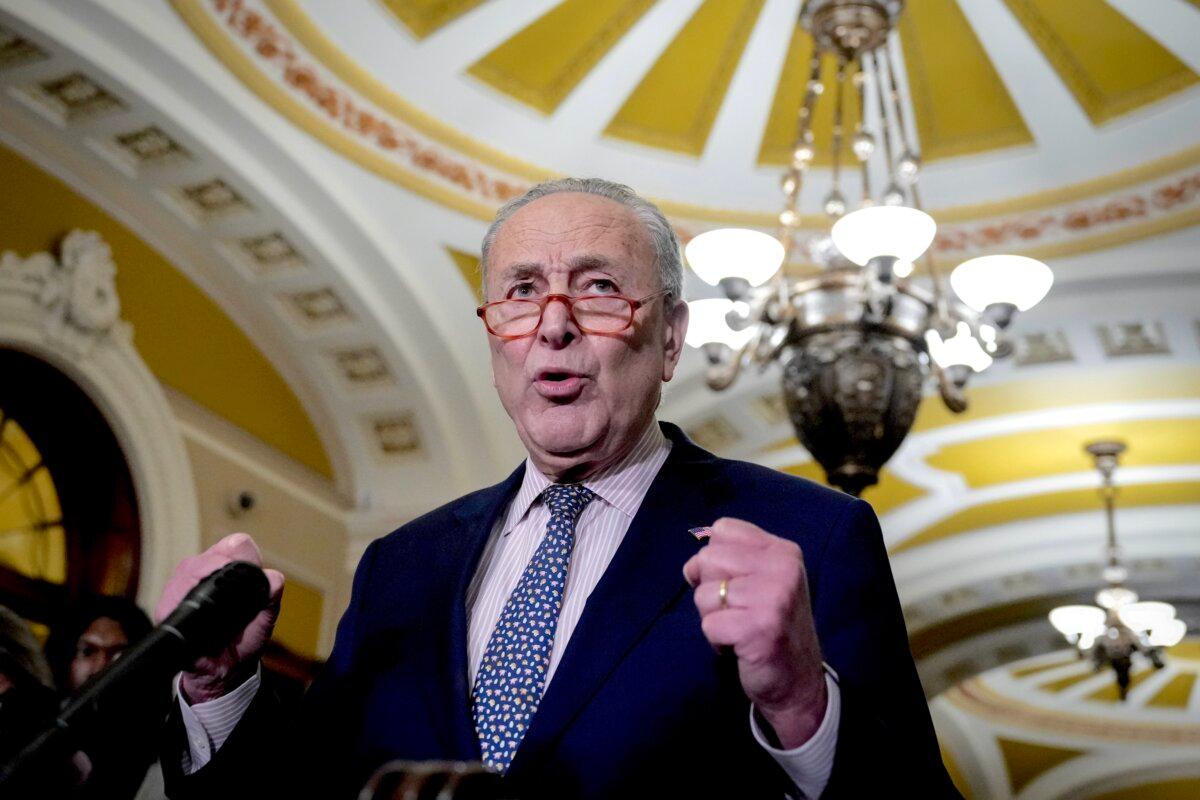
(859, 342)
(1120, 627)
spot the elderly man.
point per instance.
(565, 626)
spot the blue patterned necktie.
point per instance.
(512, 674)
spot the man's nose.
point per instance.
(557, 329)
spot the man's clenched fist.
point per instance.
(220, 673)
(766, 619)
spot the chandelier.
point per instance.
(1119, 625)
(860, 341)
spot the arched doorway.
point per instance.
(69, 519)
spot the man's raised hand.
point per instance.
(219, 673)
(766, 619)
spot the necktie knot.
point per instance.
(567, 499)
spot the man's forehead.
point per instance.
(569, 223)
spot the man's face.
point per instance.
(101, 644)
(580, 400)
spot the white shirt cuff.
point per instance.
(209, 724)
(810, 764)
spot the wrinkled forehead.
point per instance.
(567, 227)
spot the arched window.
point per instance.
(69, 520)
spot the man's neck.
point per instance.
(580, 472)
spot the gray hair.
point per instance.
(662, 235)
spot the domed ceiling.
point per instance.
(325, 170)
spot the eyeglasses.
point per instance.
(591, 313)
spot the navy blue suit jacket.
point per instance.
(640, 701)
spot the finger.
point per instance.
(238, 547)
(731, 529)
(275, 581)
(726, 628)
(739, 593)
(724, 560)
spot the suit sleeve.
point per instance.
(275, 750)
(886, 740)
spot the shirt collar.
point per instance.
(622, 485)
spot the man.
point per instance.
(122, 761)
(565, 626)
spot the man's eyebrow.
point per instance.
(590, 261)
(519, 271)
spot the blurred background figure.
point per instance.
(123, 764)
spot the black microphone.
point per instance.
(211, 616)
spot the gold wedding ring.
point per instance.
(723, 593)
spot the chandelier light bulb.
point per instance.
(788, 218)
(893, 196)
(908, 166)
(903, 268)
(707, 322)
(1015, 280)
(1073, 621)
(898, 231)
(735, 253)
(802, 155)
(863, 145)
(788, 183)
(835, 204)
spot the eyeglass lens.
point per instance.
(593, 314)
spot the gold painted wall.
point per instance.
(183, 336)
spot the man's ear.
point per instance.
(673, 335)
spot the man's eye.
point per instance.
(602, 286)
(521, 290)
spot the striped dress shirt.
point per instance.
(620, 490)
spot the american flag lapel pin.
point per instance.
(700, 533)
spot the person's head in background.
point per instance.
(27, 698)
(99, 632)
(21, 659)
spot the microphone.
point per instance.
(211, 616)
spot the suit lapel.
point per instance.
(643, 579)
(446, 684)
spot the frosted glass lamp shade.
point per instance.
(898, 231)
(1146, 615)
(734, 253)
(1168, 634)
(961, 348)
(1115, 597)
(1013, 280)
(1072, 621)
(707, 323)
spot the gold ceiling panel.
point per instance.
(543, 63)
(1023, 672)
(1179, 789)
(676, 103)
(423, 17)
(1062, 684)
(1037, 453)
(1176, 693)
(1025, 761)
(1043, 505)
(468, 267)
(779, 136)
(959, 102)
(1108, 63)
